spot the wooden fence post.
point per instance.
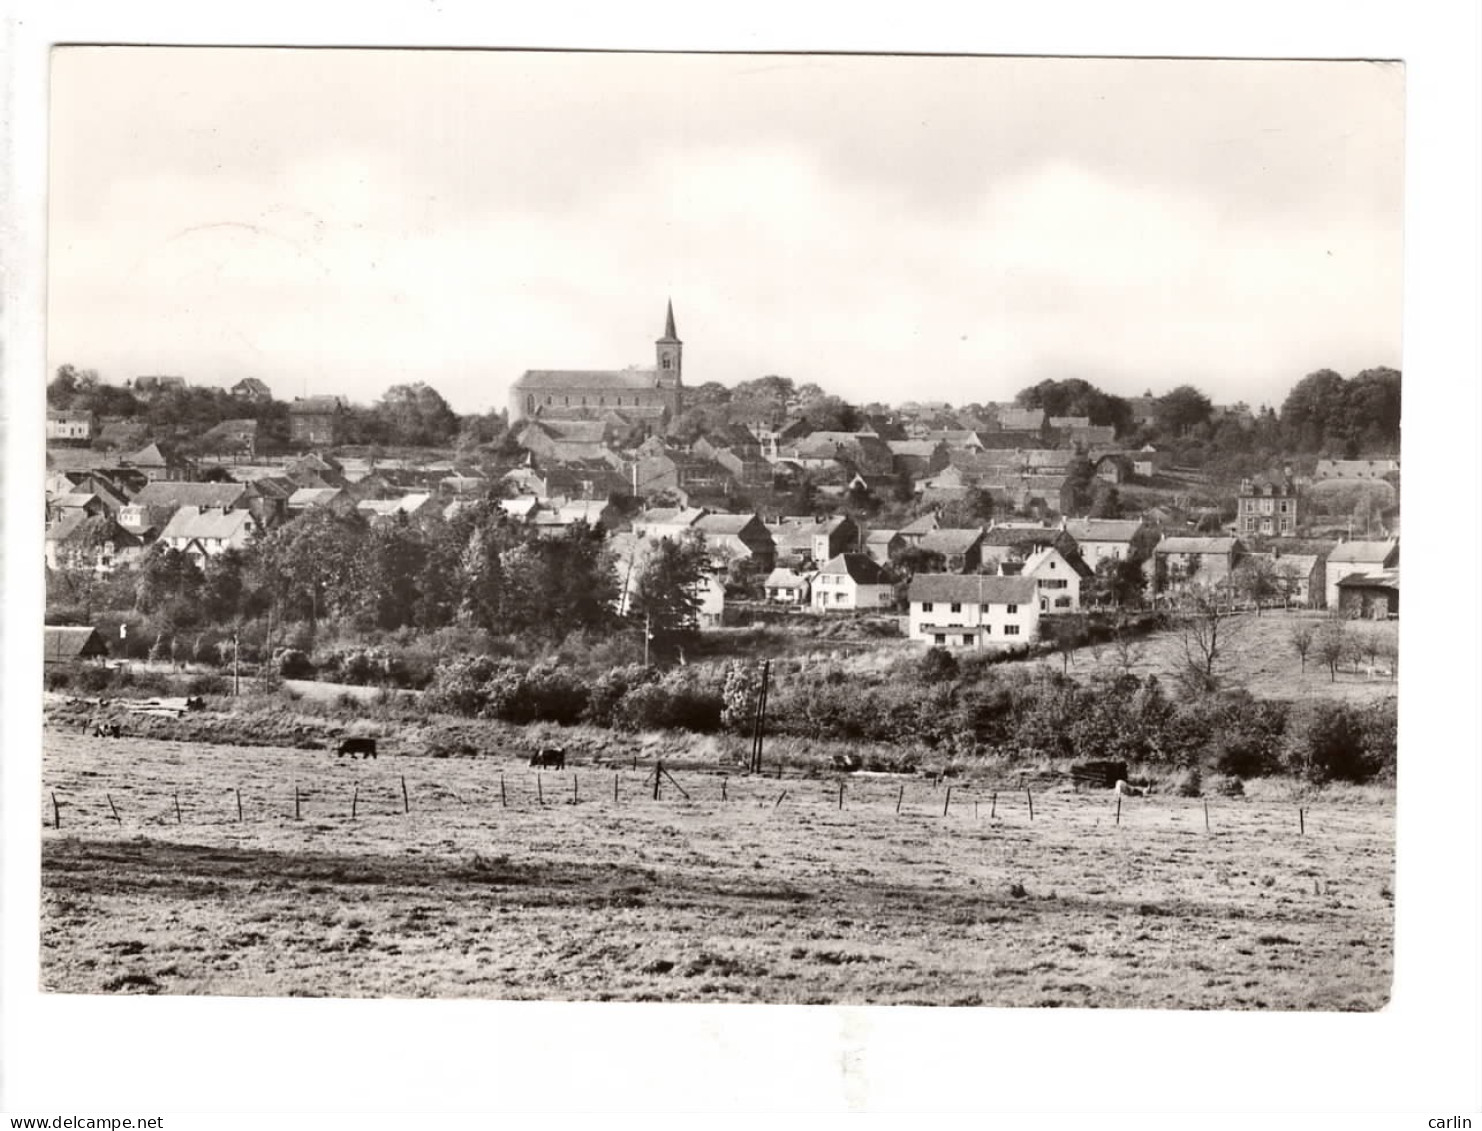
(1029, 793)
(615, 788)
(406, 801)
(658, 773)
(178, 819)
(503, 800)
(841, 795)
(1301, 821)
(993, 806)
(722, 789)
(296, 811)
(539, 791)
(1119, 809)
(355, 801)
(56, 812)
(111, 806)
(780, 796)
(899, 797)
(575, 796)
(239, 806)
(1206, 816)
(947, 804)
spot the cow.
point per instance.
(107, 730)
(549, 757)
(364, 747)
(1122, 789)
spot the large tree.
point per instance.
(415, 415)
(1181, 410)
(1075, 397)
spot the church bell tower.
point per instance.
(670, 351)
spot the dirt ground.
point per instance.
(749, 889)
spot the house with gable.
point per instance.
(810, 540)
(789, 587)
(852, 581)
(1057, 579)
(202, 534)
(1267, 504)
(159, 500)
(1101, 538)
(972, 611)
(737, 538)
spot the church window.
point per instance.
(530, 403)
(666, 362)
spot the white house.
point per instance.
(1100, 538)
(788, 587)
(203, 534)
(973, 611)
(1057, 580)
(1350, 558)
(852, 581)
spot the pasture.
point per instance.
(487, 879)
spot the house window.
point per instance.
(957, 606)
(1011, 630)
(940, 638)
(926, 606)
(1062, 602)
(967, 638)
(1013, 609)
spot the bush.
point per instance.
(208, 685)
(937, 666)
(1330, 741)
(292, 663)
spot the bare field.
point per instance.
(745, 898)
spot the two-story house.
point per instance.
(1182, 562)
(202, 534)
(852, 581)
(1348, 559)
(1267, 504)
(973, 610)
(1057, 579)
(316, 421)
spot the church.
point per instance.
(652, 396)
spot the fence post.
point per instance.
(993, 806)
(178, 819)
(575, 796)
(355, 801)
(1029, 793)
(722, 789)
(539, 791)
(947, 804)
(1119, 809)
(111, 806)
(296, 811)
(56, 812)
(841, 795)
(1301, 821)
(1206, 816)
(658, 773)
(503, 801)
(239, 805)
(899, 797)
(780, 796)
(614, 788)
(406, 802)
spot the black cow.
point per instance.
(549, 757)
(365, 747)
(107, 730)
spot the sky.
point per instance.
(889, 227)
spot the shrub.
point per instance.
(1329, 742)
(94, 679)
(292, 663)
(208, 685)
(937, 666)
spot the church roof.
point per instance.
(622, 380)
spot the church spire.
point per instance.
(669, 334)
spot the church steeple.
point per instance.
(669, 334)
(670, 351)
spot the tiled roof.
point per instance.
(1361, 552)
(69, 643)
(724, 523)
(781, 578)
(978, 589)
(619, 380)
(315, 406)
(190, 522)
(949, 540)
(1196, 545)
(166, 493)
(1102, 529)
(863, 569)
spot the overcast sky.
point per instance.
(891, 228)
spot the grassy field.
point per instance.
(1261, 660)
(749, 889)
